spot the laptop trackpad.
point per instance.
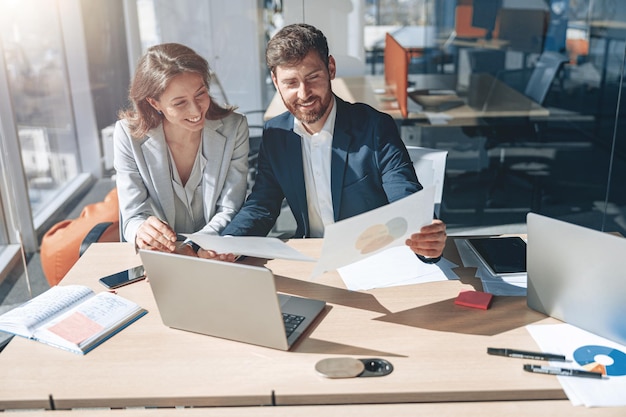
(307, 307)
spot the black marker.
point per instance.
(550, 370)
(524, 354)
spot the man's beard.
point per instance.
(312, 115)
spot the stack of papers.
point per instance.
(392, 267)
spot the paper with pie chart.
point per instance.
(358, 237)
(599, 358)
(588, 352)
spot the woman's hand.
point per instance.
(209, 254)
(153, 234)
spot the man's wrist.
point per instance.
(428, 260)
(193, 245)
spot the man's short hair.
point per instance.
(292, 43)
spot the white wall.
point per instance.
(230, 37)
(340, 20)
(236, 51)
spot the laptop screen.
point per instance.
(577, 275)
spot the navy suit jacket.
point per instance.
(370, 167)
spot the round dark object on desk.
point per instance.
(376, 367)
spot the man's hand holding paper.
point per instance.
(430, 240)
(391, 225)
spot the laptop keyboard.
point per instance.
(291, 322)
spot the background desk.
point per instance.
(438, 349)
(364, 89)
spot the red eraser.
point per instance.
(474, 299)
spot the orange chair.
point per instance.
(63, 244)
(577, 48)
(463, 24)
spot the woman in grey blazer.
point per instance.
(181, 160)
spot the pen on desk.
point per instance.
(524, 354)
(550, 370)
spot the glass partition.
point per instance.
(541, 124)
(556, 159)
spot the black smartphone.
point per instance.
(122, 278)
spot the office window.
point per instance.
(3, 227)
(399, 12)
(9, 247)
(38, 79)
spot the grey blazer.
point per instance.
(144, 184)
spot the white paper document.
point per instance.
(514, 284)
(392, 267)
(361, 236)
(589, 352)
(259, 247)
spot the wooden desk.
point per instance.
(373, 91)
(558, 408)
(438, 350)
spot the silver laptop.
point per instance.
(577, 275)
(227, 300)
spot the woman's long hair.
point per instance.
(155, 70)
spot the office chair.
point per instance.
(545, 72)
(490, 61)
(68, 239)
(285, 226)
(255, 128)
(506, 137)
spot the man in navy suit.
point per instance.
(330, 159)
